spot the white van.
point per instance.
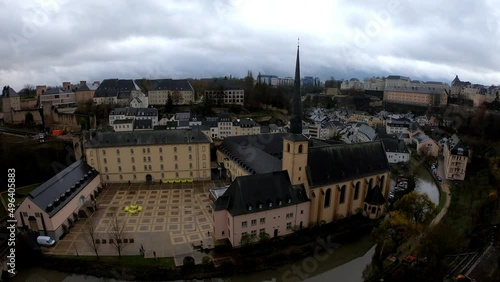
(45, 241)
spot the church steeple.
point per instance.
(296, 118)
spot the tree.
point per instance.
(117, 235)
(177, 98)
(28, 119)
(416, 207)
(264, 237)
(437, 243)
(247, 239)
(91, 237)
(169, 106)
(397, 228)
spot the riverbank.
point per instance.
(275, 256)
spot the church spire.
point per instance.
(296, 119)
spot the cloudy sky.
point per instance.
(50, 41)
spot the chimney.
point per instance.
(40, 89)
(67, 85)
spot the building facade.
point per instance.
(53, 207)
(140, 156)
(58, 97)
(180, 91)
(455, 161)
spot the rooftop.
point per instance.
(137, 138)
(260, 192)
(63, 187)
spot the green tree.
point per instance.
(397, 228)
(416, 207)
(169, 106)
(264, 237)
(246, 240)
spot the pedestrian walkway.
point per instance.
(174, 217)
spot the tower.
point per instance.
(295, 145)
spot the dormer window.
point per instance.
(289, 200)
(249, 207)
(260, 206)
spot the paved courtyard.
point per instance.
(174, 217)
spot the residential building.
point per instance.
(143, 124)
(85, 92)
(266, 79)
(53, 207)
(140, 101)
(352, 83)
(134, 114)
(232, 96)
(116, 91)
(10, 100)
(244, 126)
(123, 125)
(396, 150)
(374, 84)
(180, 91)
(263, 203)
(426, 145)
(456, 157)
(154, 155)
(58, 97)
(400, 125)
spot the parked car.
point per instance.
(45, 241)
(439, 179)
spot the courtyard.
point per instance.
(174, 219)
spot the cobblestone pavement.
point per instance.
(173, 218)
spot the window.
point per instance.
(262, 230)
(133, 168)
(190, 156)
(342, 194)
(175, 149)
(118, 160)
(204, 165)
(120, 169)
(107, 177)
(177, 175)
(189, 149)
(131, 151)
(149, 167)
(288, 147)
(161, 158)
(133, 160)
(289, 215)
(117, 151)
(191, 174)
(301, 211)
(328, 197)
(288, 225)
(144, 150)
(254, 222)
(203, 157)
(105, 169)
(145, 167)
(254, 232)
(144, 159)
(176, 166)
(135, 177)
(175, 158)
(105, 161)
(203, 148)
(149, 159)
(104, 152)
(243, 234)
(300, 148)
(161, 166)
(262, 220)
(148, 151)
(190, 165)
(161, 150)
(356, 191)
(121, 177)
(162, 175)
(244, 224)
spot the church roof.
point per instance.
(260, 192)
(343, 162)
(375, 197)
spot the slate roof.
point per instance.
(416, 90)
(265, 129)
(375, 196)
(60, 184)
(394, 145)
(368, 131)
(57, 90)
(11, 93)
(180, 136)
(111, 87)
(460, 149)
(143, 124)
(170, 84)
(244, 122)
(260, 192)
(260, 153)
(87, 87)
(123, 121)
(336, 163)
(135, 111)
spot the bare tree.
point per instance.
(91, 237)
(117, 234)
(177, 98)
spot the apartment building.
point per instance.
(58, 97)
(154, 155)
(116, 91)
(134, 114)
(456, 156)
(180, 91)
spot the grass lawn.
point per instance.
(125, 261)
(21, 193)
